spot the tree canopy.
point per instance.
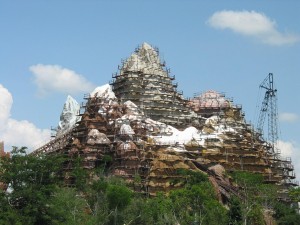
(37, 195)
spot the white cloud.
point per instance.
(253, 24)
(288, 117)
(54, 78)
(6, 101)
(286, 148)
(18, 133)
(291, 149)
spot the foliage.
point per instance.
(256, 195)
(192, 177)
(294, 194)
(118, 196)
(66, 207)
(80, 174)
(255, 215)
(286, 215)
(197, 202)
(37, 196)
(291, 219)
(32, 181)
(235, 213)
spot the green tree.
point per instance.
(255, 215)
(158, 210)
(197, 202)
(118, 198)
(235, 211)
(256, 195)
(32, 181)
(286, 215)
(67, 207)
(294, 194)
(79, 174)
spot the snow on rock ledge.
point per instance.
(132, 109)
(96, 137)
(126, 129)
(104, 92)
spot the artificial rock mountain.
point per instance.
(150, 131)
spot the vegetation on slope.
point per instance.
(36, 195)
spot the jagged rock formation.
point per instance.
(140, 128)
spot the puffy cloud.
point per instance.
(54, 78)
(288, 117)
(18, 133)
(6, 101)
(253, 24)
(286, 148)
(24, 133)
(291, 149)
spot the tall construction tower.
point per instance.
(281, 167)
(269, 107)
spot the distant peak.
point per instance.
(68, 116)
(69, 97)
(71, 104)
(145, 59)
(146, 46)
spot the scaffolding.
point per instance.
(151, 87)
(105, 131)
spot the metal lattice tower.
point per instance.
(269, 107)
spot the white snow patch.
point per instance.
(132, 108)
(177, 149)
(178, 137)
(126, 129)
(96, 137)
(212, 120)
(104, 91)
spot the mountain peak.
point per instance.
(146, 46)
(68, 116)
(145, 59)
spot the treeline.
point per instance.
(36, 195)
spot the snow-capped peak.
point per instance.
(71, 104)
(69, 115)
(146, 46)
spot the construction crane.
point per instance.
(269, 107)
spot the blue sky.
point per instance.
(228, 46)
